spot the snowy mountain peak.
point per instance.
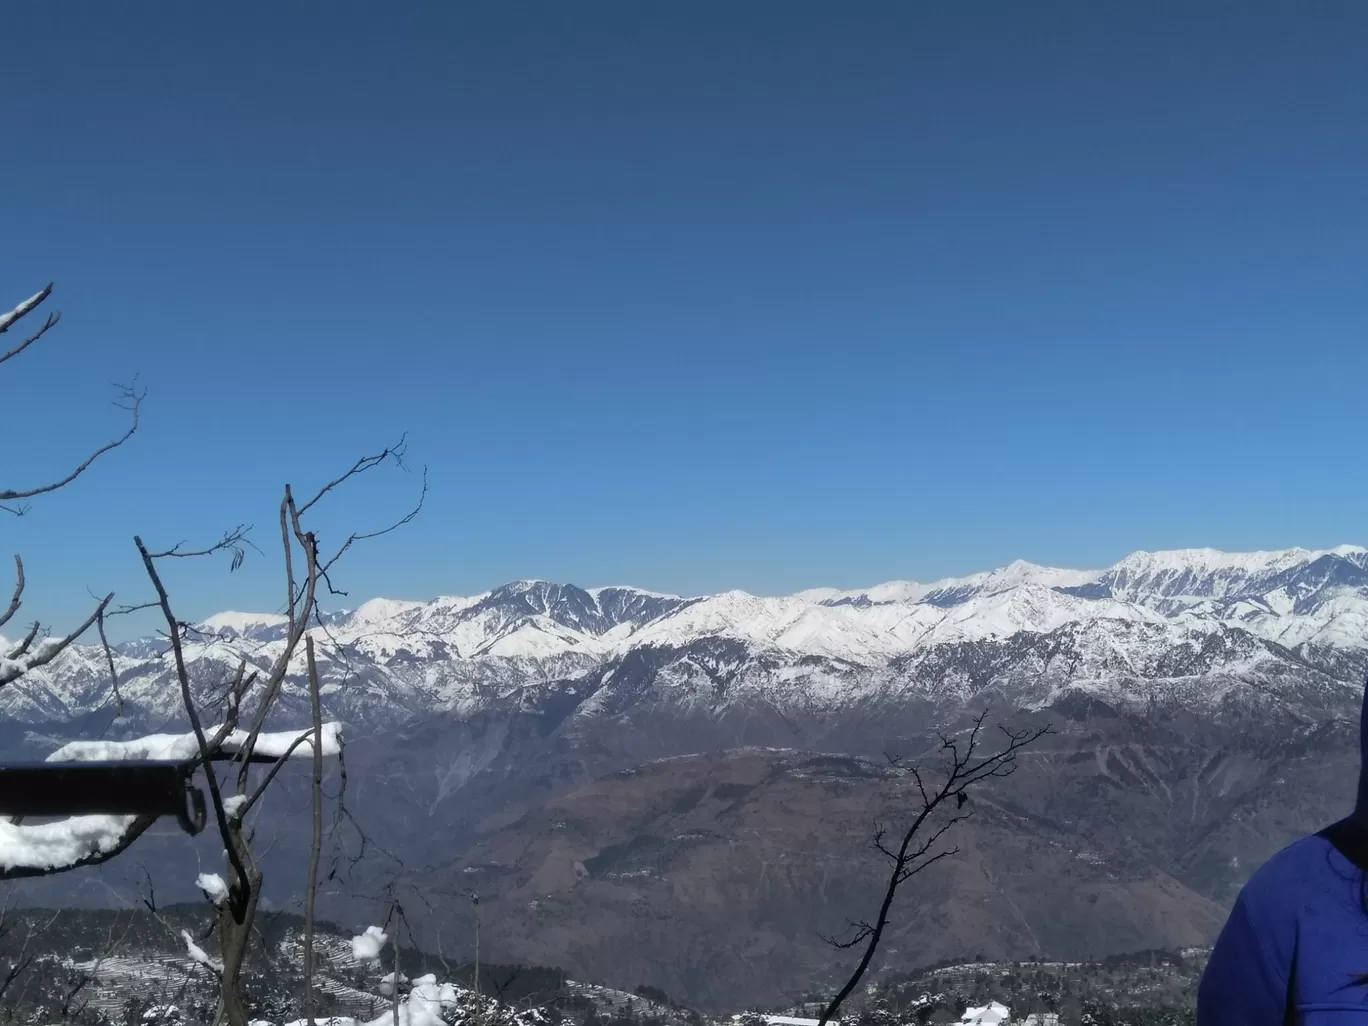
(240, 623)
(1190, 609)
(1016, 574)
(380, 609)
(1208, 560)
(1186, 578)
(1290, 596)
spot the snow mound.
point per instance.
(366, 946)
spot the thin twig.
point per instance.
(406, 518)
(365, 463)
(134, 404)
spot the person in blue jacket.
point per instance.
(1295, 948)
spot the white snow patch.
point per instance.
(378, 610)
(233, 805)
(213, 887)
(366, 946)
(63, 843)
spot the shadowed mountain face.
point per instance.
(713, 875)
(681, 792)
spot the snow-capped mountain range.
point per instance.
(1202, 706)
(1197, 616)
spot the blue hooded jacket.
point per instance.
(1295, 949)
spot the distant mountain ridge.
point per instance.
(1275, 594)
(1169, 616)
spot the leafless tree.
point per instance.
(19, 961)
(939, 802)
(316, 844)
(248, 702)
(38, 647)
(242, 708)
(34, 650)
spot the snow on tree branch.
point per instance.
(25, 307)
(234, 805)
(199, 955)
(294, 744)
(213, 887)
(22, 310)
(25, 656)
(38, 849)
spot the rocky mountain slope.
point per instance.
(1205, 705)
(713, 875)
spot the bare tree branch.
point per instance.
(127, 610)
(916, 851)
(275, 768)
(183, 675)
(290, 596)
(233, 541)
(109, 661)
(47, 325)
(26, 642)
(136, 829)
(365, 463)
(862, 932)
(406, 518)
(298, 623)
(132, 403)
(17, 599)
(23, 310)
(26, 656)
(23, 661)
(23, 960)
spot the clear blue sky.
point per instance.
(695, 296)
